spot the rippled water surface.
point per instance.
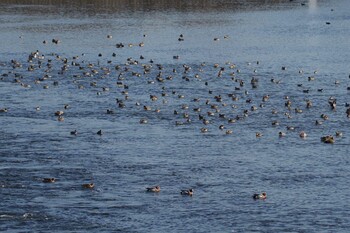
(233, 54)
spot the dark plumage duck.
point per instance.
(187, 192)
(88, 186)
(261, 196)
(154, 189)
(49, 180)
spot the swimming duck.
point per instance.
(88, 186)
(75, 132)
(153, 97)
(308, 104)
(290, 128)
(3, 110)
(327, 139)
(229, 131)
(154, 189)
(187, 192)
(147, 108)
(338, 134)
(204, 130)
(302, 134)
(49, 180)
(324, 116)
(318, 122)
(281, 134)
(143, 121)
(99, 132)
(60, 118)
(59, 113)
(261, 196)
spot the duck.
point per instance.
(88, 186)
(60, 118)
(143, 121)
(281, 134)
(317, 122)
(328, 139)
(75, 132)
(99, 132)
(339, 134)
(324, 117)
(187, 192)
(109, 111)
(49, 180)
(302, 134)
(154, 189)
(59, 113)
(3, 110)
(229, 131)
(204, 130)
(261, 196)
(147, 108)
(348, 112)
(290, 127)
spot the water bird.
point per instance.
(187, 192)
(290, 128)
(154, 189)
(261, 196)
(143, 121)
(318, 122)
(75, 132)
(302, 134)
(204, 130)
(229, 131)
(88, 186)
(332, 103)
(324, 117)
(328, 139)
(49, 180)
(59, 113)
(99, 132)
(281, 134)
(4, 110)
(339, 134)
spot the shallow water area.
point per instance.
(235, 66)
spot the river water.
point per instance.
(294, 49)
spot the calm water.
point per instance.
(307, 181)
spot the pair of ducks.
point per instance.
(156, 189)
(53, 180)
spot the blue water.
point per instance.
(305, 179)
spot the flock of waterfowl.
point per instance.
(156, 189)
(182, 94)
(223, 106)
